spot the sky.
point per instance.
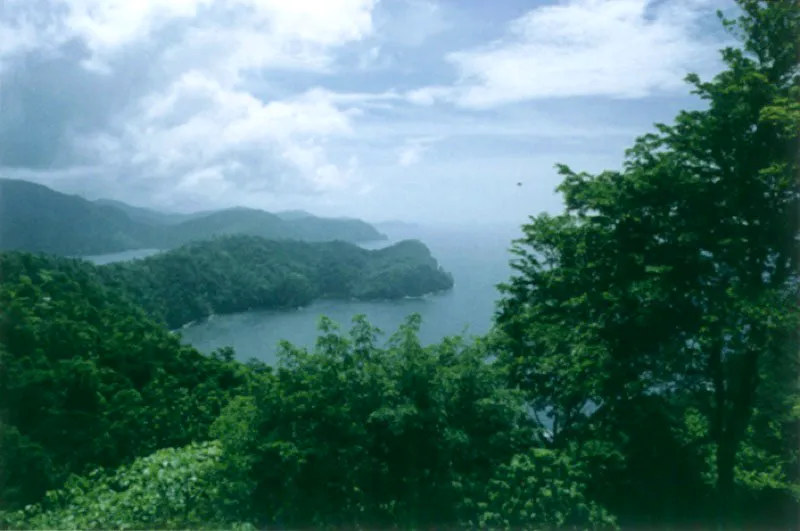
(424, 111)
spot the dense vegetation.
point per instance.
(238, 273)
(666, 297)
(35, 218)
(652, 327)
(87, 379)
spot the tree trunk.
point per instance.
(726, 459)
(720, 433)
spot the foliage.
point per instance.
(170, 489)
(353, 435)
(669, 287)
(541, 489)
(88, 380)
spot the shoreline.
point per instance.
(298, 308)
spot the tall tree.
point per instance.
(676, 276)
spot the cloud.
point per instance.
(410, 23)
(198, 128)
(156, 92)
(413, 150)
(611, 48)
(208, 103)
(106, 27)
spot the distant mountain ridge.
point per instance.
(36, 218)
(294, 214)
(148, 214)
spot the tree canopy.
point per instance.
(669, 288)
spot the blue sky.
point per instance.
(418, 110)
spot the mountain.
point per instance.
(312, 228)
(293, 214)
(149, 215)
(266, 225)
(36, 218)
(224, 222)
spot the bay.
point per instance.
(478, 258)
(135, 254)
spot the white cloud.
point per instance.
(613, 48)
(374, 59)
(200, 129)
(409, 155)
(255, 102)
(428, 95)
(265, 30)
(413, 150)
(16, 38)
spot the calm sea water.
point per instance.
(101, 259)
(478, 259)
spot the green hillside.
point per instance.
(36, 218)
(293, 214)
(87, 379)
(149, 215)
(238, 273)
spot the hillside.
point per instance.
(36, 218)
(266, 225)
(312, 228)
(238, 273)
(149, 215)
(293, 214)
(225, 222)
(87, 379)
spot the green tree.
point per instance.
(180, 488)
(88, 380)
(541, 489)
(357, 435)
(672, 283)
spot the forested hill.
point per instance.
(87, 379)
(259, 223)
(36, 218)
(150, 215)
(238, 273)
